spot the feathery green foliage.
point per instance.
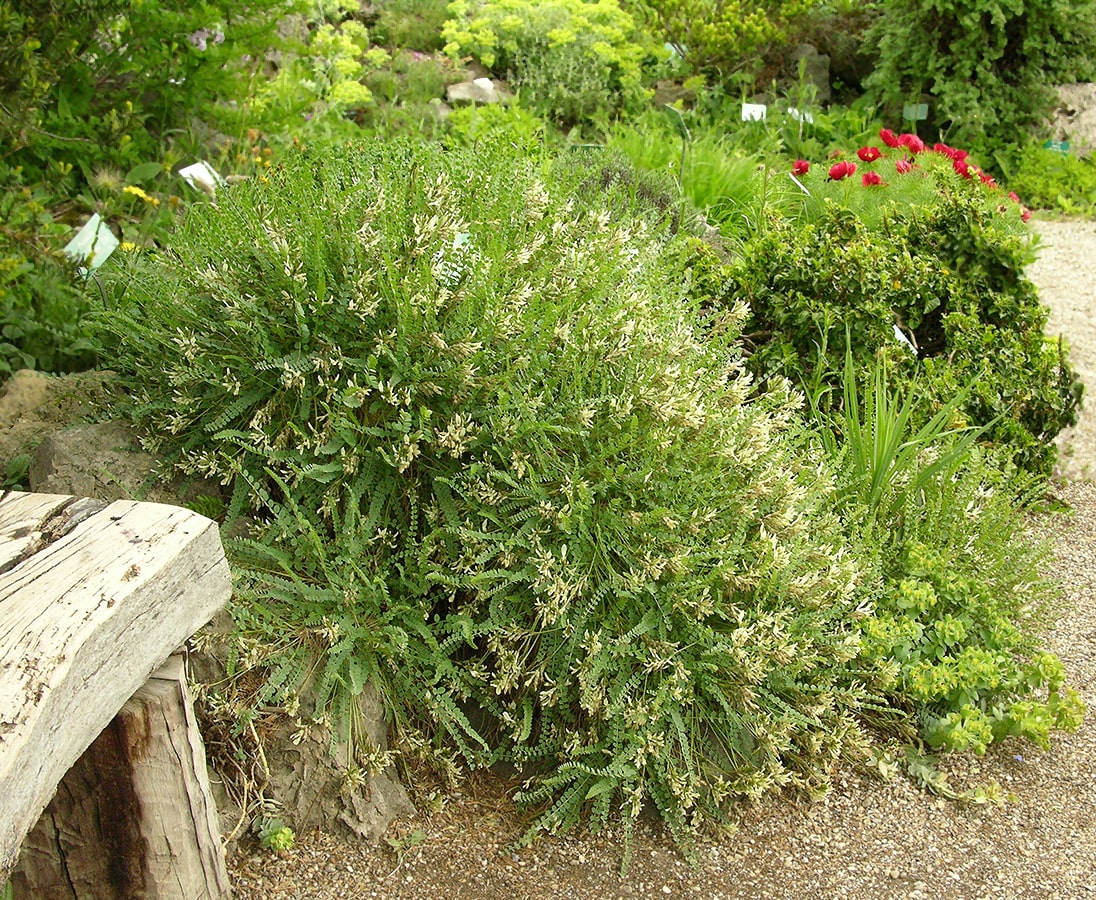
(498, 460)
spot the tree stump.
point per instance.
(133, 816)
(93, 599)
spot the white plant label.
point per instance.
(92, 245)
(202, 177)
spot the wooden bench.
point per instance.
(96, 727)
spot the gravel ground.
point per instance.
(869, 839)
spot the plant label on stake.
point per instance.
(753, 112)
(915, 112)
(92, 245)
(202, 177)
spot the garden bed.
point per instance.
(868, 839)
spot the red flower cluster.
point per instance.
(912, 145)
(910, 141)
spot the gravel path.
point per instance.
(869, 839)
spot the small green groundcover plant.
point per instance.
(915, 253)
(504, 465)
(1052, 179)
(959, 598)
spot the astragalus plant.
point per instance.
(505, 474)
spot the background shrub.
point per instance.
(572, 60)
(987, 67)
(92, 84)
(728, 39)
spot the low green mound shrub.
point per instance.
(917, 255)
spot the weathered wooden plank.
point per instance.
(134, 816)
(84, 621)
(22, 518)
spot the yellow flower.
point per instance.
(137, 192)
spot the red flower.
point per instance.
(960, 166)
(1013, 196)
(1026, 214)
(912, 142)
(871, 178)
(889, 138)
(903, 166)
(800, 167)
(842, 170)
(987, 180)
(869, 154)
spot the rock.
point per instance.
(299, 772)
(1075, 117)
(816, 70)
(479, 90)
(670, 92)
(101, 460)
(33, 404)
(104, 460)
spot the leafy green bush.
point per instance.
(961, 598)
(92, 84)
(321, 84)
(503, 474)
(728, 38)
(411, 24)
(909, 243)
(572, 60)
(474, 126)
(987, 67)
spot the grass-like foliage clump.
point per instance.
(958, 598)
